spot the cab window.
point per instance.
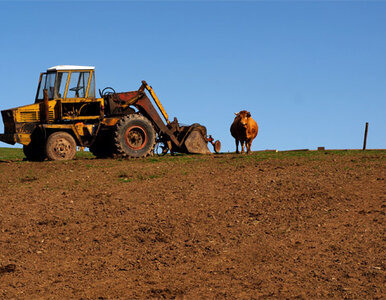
(47, 82)
(77, 86)
(50, 85)
(61, 82)
(41, 87)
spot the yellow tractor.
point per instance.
(67, 114)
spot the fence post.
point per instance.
(365, 139)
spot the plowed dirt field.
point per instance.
(268, 225)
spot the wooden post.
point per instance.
(365, 139)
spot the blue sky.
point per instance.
(311, 73)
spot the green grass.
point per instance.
(16, 154)
(11, 154)
(84, 154)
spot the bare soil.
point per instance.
(268, 225)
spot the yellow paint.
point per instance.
(84, 129)
(23, 138)
(31, 112)
(110, 121)
(89, 128)
(79, 128)
(88, 84)
(156, 100)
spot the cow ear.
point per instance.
(236, 114)
(248, 114)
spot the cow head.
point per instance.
(242, 117)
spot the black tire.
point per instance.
(103, 146)
(34, 151)
(134, 136)
(60, 146)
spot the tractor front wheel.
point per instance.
(134, 136)
(60, 146)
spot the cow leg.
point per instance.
(242, 146)
(249, 144)
(237, 146)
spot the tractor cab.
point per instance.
(67, 83)
(71, 93)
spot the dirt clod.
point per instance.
(7, 268)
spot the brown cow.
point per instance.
(244, 129)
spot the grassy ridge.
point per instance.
(16, 154)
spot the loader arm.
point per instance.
(156, 100)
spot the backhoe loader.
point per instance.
(67, 114)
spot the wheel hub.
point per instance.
(135, 138)
(62, 147)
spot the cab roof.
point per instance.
(69, 68)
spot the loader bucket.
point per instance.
(195, 143)
(191, 139)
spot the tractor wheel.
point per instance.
(103, 146)
(134, 136)
(34, 151)
(60, 146)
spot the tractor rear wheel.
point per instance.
(60, 146)
(134, 136)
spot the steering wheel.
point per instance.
(76, 89)
(106, 91)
